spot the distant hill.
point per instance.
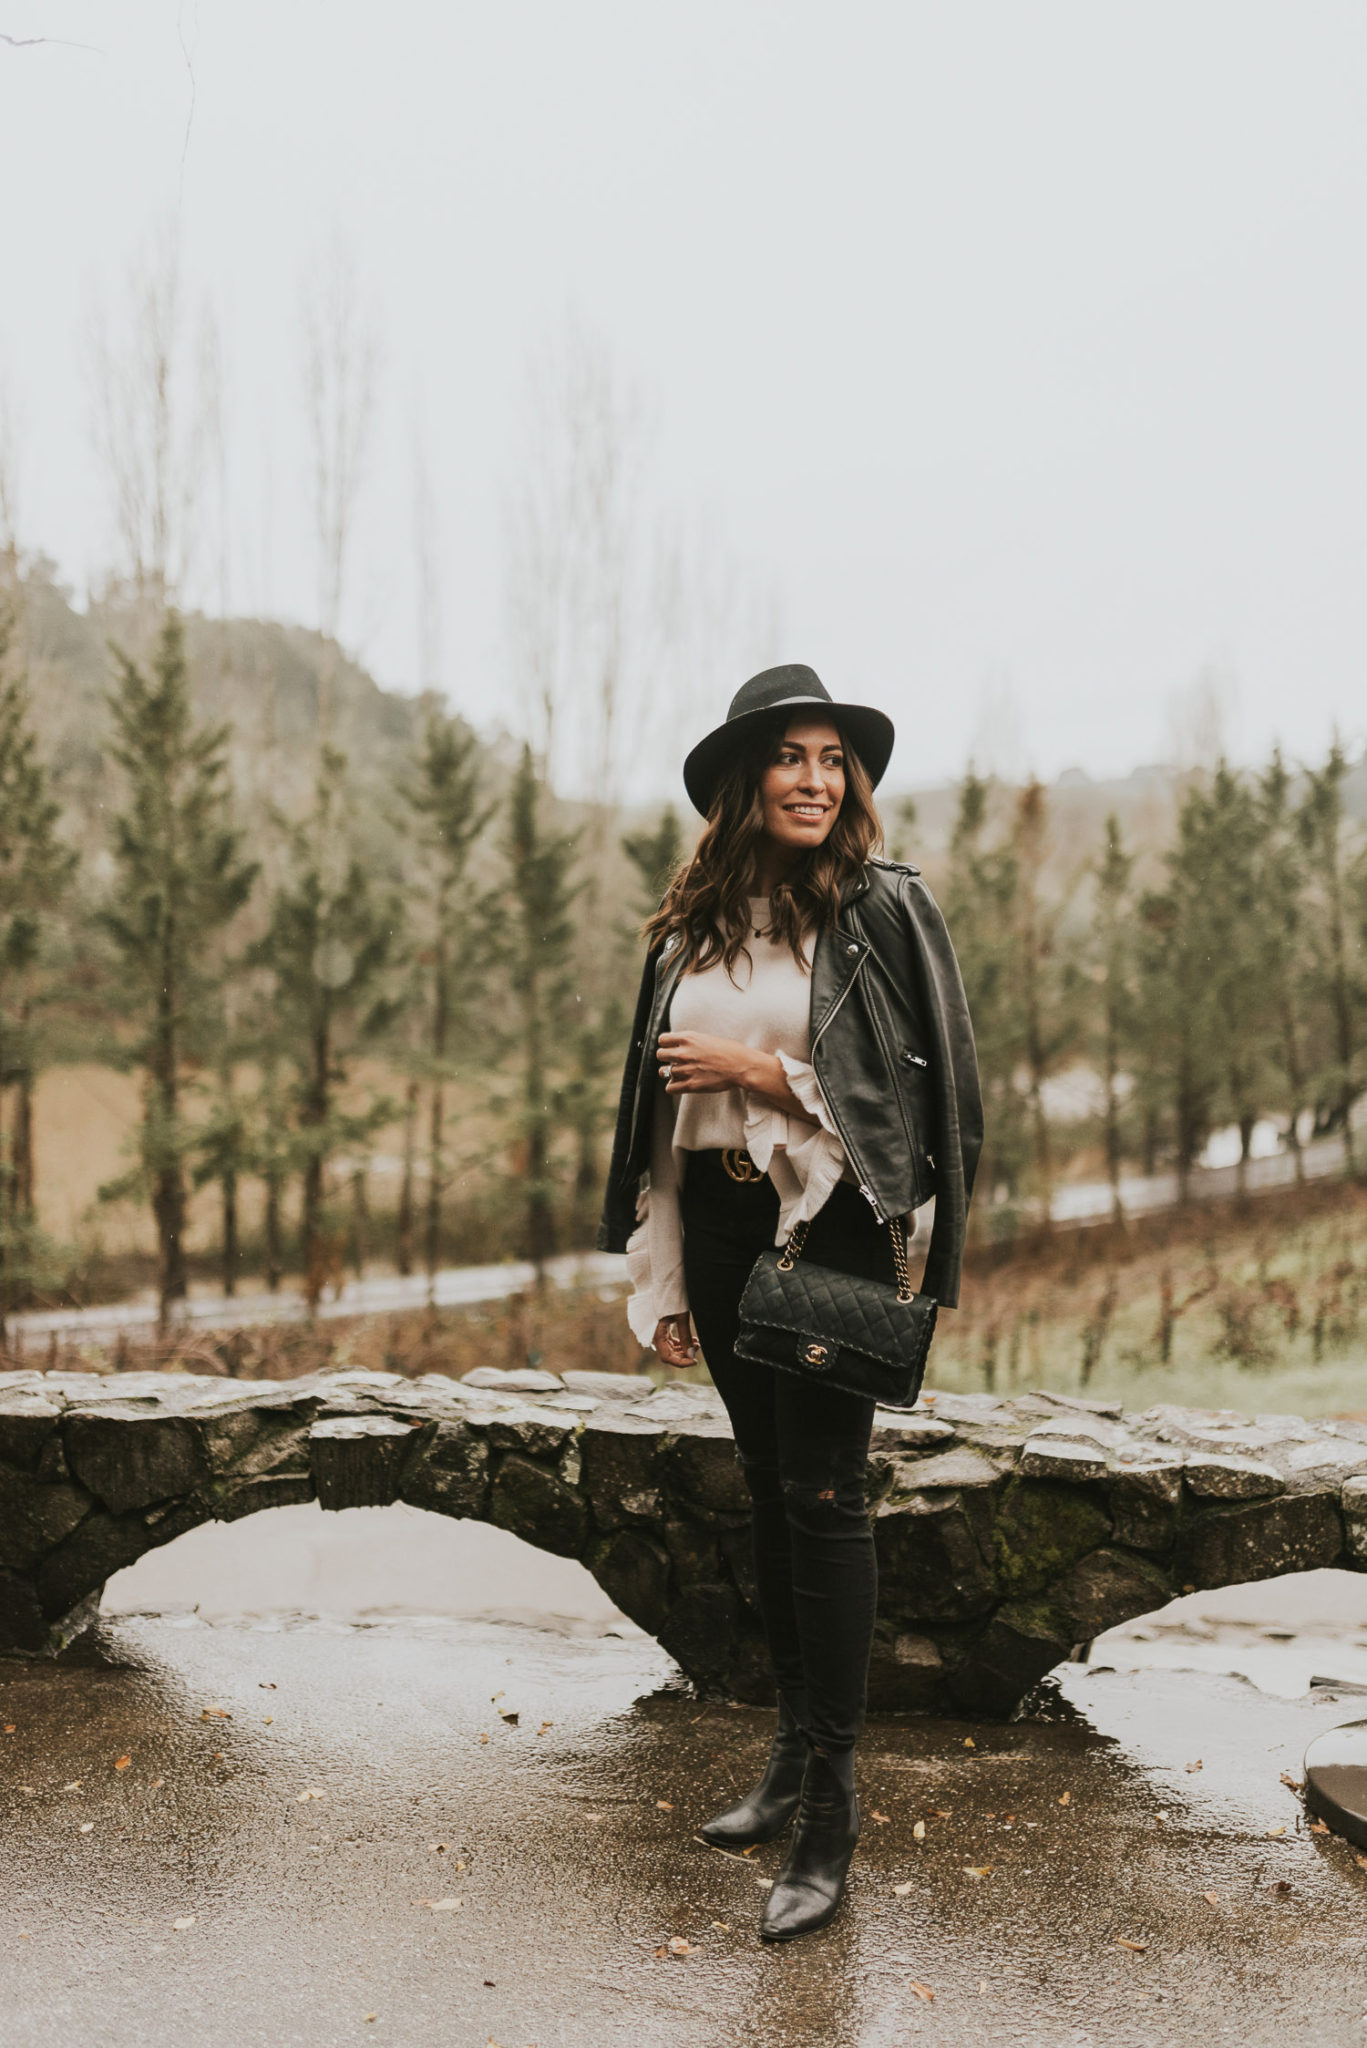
(264, 679)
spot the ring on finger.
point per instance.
(666, 1071)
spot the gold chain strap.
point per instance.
(792, 1252)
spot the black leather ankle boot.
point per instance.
(808, 1888)
(767, 1810)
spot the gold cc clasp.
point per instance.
(814, 1354)
(739, 1164)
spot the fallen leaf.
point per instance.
(185, 1920)
(665, 1805)
(969, 1743)
(9, 1727)
(918, 1833)
(1198, 1765)
(1064, 1797)
(881, 1818)
(900, 1891)
(441, 1905)
(304, 1797)
(1319, 1827)
(372, 2015)
(437, 1848)
(766, 1884)
(215, 1714)
(121, 1763)
(943, 1812)
(1293, 1784)
(1274, 1832)
(722, 1926)
(677, 1946)
(751, 1850)
(922, 1991)
(1283, 1884)
(1136, 1947)
(508, 1717)
(156, 1782)
(87, 1827)
(976, 1870)
(1211, 1898)
(1362, 1860)
(484, 1738)
(544, 1726)
(266, 1684)
(74, 1786)
(269, 1719)
(495, 1697)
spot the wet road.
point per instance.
(280, 1791)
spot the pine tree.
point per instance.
(330, 938)
(1179, 1073)
(1336, 974)
(180, 879)
(446, 793)
(36, 871)
(1044, 986)
(538, 941)
(1280, 891)
(1230, 830)
(1113, 969)
(656, 857)
(981, 903)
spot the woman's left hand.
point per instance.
(691, 1063)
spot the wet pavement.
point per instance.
(281, 1790)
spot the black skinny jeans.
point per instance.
(803, 1446)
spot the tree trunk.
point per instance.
(540, 1216)
(21, 1145)
(314, 1121)
(404, 1246)
(436, 1160)
(360, 1222)
(1112, 1115)
(436, 1175)
(168, 1179)
(275, 1260)
(228, 1183)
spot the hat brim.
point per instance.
(869, 732)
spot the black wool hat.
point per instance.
(789, 688)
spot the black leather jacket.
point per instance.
(892, 1046)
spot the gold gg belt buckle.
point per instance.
(739, 1164)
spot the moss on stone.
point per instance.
(1043, 1528)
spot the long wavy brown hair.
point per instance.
(708, 900)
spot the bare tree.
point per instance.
(340, 365)
(154, 376)
(575, 564)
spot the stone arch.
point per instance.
(1007, 1531)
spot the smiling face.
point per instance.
(803, 787)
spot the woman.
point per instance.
(801, 1052)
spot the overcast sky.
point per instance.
(1019, 348)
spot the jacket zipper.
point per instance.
(850, 1153)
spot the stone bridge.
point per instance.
(1008, 1531)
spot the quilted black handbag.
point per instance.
(865, 1336)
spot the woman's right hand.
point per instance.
(673, 1341)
